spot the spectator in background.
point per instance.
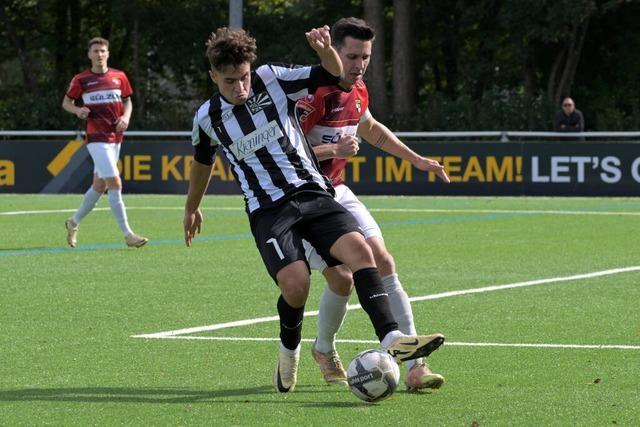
(568, 119)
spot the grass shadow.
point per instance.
(163, 395)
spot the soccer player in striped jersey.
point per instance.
(287, 198)
(106, 106)
(332, 118)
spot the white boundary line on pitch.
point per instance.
(416, 210)
(226, 325)
(447, 343)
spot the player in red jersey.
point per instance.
(332, 119)
(106, 106)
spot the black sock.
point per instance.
(290, 324)
(375, 301)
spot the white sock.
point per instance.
(390, 338)
(290, 352)
(400, 304)
(89, 201)
(333, 309)
(400, 307)
(118, 210)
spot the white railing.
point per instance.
(505, 136)
(502, 136)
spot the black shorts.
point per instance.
(312, 216)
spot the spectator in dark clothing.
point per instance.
(568, 119)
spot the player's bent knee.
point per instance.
(352, 250)
(385, 262)
(113, 183)
(99, 184)
(340, 280)
(295, 294)
(294, 285)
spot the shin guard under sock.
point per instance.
(290, 324)
(374, 300)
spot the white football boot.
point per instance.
(285, 375)
(412, 347)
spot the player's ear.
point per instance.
(212, 74)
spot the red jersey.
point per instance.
(330, 112)
(102, 94)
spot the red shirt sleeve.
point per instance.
(75, 90)
(126, 90)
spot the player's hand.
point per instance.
(347, 146)
(192, 225)
(430, 165)
(319, 38)
(121, 124)
(83, 113)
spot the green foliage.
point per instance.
(483, 64)
(487, 63)
(41, 114)
(279, 26)
(497, 109)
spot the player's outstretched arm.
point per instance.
(378, 135)
(198, 182)
(320, 40)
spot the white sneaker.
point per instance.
(285, 375)
(413, 347)
(135, 241)
(72, 232)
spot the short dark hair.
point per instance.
(98, 40)
(351, 27)
(564, 98)
(230, 47)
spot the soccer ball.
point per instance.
(373, 375)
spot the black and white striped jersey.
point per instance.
(266, 148)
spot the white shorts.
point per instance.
(369, 226)
(105, 159)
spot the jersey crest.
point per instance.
(259, 102)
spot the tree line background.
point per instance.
(437, 65)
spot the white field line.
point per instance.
(447, 343)
(218, 326)
(509, 211)
(445, 211)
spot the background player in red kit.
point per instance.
(332, 118)
(105, 94)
